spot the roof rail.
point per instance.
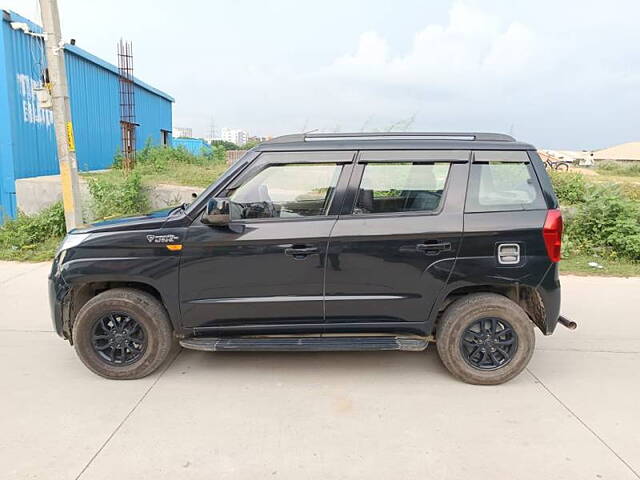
(465, 136)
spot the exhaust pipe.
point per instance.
(565, 322)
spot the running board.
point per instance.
(305, 344)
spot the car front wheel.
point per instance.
(122, 334)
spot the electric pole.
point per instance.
(61, 113)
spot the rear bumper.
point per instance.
(549, 291)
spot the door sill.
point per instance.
(307, 343)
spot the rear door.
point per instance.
(504, 214)
(395, 242)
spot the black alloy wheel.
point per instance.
(118, 339)
(488, 343)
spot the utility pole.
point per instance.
(61, 113)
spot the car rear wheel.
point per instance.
(122, 334)
(485, 339)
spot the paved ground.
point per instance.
(572, 415)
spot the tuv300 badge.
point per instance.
(170, 238)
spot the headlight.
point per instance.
(72, 240)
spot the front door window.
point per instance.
(286, 191)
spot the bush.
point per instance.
(157, 158)
(571, 188)
(631, 191)
(607, 224)
(224, 144)
(117, 193)
(33, 237)
(631, 169)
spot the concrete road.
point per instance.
(572, 415)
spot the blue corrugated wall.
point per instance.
(29, 144)
(197, 146)
(7, 187)
(95, 112)
(27, 140)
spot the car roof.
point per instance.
(394, 141)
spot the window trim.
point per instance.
(262, 162)
(500, 156)
(356, 181)
(415, 156)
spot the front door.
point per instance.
(392, 249)
(264, 273)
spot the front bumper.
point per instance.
(58, 301)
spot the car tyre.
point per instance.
(123, 334)
(485, 339)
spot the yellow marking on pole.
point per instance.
(65, 179)
(70, 140)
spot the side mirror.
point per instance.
(217, 212)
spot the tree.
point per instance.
(220, 154)
(224, 144)
(250, 144)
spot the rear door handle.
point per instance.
(433, 248)
(300, 252)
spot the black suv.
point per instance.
(329, 243)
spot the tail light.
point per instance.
(552, 233)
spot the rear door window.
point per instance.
(503, 181)
(401, 187)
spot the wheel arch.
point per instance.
(81, 293)
(527, 297)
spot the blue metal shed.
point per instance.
(196, 146)
(27, 140)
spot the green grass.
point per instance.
(189, 175)
(625, 169)
(40, 252)
(579, 265)
(186, 174)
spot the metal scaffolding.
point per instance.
(127, 104)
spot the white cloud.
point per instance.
(372, 50)
(472, 49)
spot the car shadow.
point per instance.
(328, 364)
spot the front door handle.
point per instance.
(300, 252)
(433, 248)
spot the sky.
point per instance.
(560, 74)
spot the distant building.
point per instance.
(626, 152)
(259, 139)
(182, 132)
(197, 146)
(239, 137)
(577, 157)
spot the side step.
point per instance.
(305, 344)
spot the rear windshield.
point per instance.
(503, 181)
